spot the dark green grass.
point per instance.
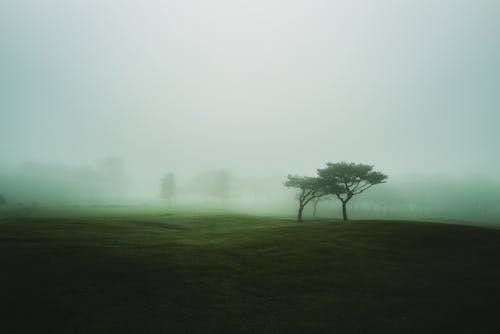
(213, 273)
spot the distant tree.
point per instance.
(168, 187)
(222, 184)
(315, 201)
(3, 201)
(310, 188)
(344, 180)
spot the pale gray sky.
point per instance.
(261, 86)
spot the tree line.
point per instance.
(215, 184)
(342, 179)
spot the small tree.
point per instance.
(221, 185)
(345, 180)
(310, 188)
(3, 201)
(316, 201)
(168, 187)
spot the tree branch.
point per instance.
(363, 189)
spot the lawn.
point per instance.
(172, 272)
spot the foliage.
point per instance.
(310, 188)
(346, 180)
(168, 187)
(212, 184)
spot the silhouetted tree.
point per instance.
(168, 187)
(345, 180)
(3, 201)
(310, 188)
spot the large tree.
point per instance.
(310, 188)
(168, 187)
(346, 180)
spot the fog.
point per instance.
(258, 89)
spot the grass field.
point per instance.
(160, 272)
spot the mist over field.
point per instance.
(249, 166)
(99, 99)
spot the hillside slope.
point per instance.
(242, 274)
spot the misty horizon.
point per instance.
(258, 89)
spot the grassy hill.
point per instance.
(224, 273)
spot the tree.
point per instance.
(221, 185)
(168, 187)
(345, 180)
(3, 201)
(316, 201)
(310, 188)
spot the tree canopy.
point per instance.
(310, 188)
(346, 180)
(168, 187)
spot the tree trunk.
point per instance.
(315, 206)
(344, 210)
(299, 216)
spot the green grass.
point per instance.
(163, 272)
